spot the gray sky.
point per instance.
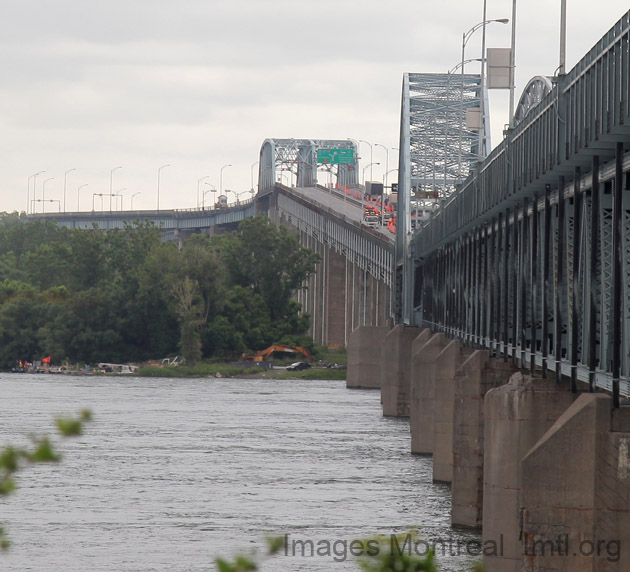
(92, 85)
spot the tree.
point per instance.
(189, 311)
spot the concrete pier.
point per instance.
(365, 357)
(517, 415)
(426, 348)
(575, 493)
(396, 377)
(477, 375)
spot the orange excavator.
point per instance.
(263, 355)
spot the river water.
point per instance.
(172, 473)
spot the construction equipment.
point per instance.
(263, 355)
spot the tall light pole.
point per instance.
(366, 168)
(119, 194)
(213, 190)
(252, 170)
(465, 37)
(132, 196)
(79, 195)
(513, 65)
(221, 178)
(370, 144)
(386, 161)
(199, 183)
(44, 191)
(563, 36)
(111, 188)
(158, 184)
(65, 179)
(28, 196)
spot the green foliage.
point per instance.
(246, 563)
(127, 296)
(13, 460)
(386, 554)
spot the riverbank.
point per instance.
(221, 370)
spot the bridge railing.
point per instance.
(586, 109)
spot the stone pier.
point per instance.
(477, 375)
(517, 415)
(426, 348)
(365, 357)
(396, 376)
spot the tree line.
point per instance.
(89, 296)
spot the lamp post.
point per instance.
(465, 37)
(221, 178)
(111, 187)
(132, 196)
(252, 170)
(65, 178)
(203, 198)
(28, 196)
(44, 190)
(368, 167)
(199, 183)
(213, 190)
(158, 184)
(79, 195)
(119, 194)
(370, 144)
(386, 161)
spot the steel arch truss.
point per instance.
(442, 149)
(298, 159)
(535, 91)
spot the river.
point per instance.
(172, 473)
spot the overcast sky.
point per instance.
(92, 85)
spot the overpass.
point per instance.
(511, 353)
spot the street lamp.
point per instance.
(370, 144)
(111, 188)
(199, 183)
(212, 190)
(119, 194)
(78, 195)
(132, 196)
(465, 37)
(65, 178)
(44, 190)
(28, 195)
(368, 167)
(386, 161)
(252, 170)
(221, 178)
(158, 185)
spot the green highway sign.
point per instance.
(336, 156)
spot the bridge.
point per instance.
(500, 324)
(511, 350)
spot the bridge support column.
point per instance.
(365, 357)
(396, 376)
(426, 349)
(517, 415)
(447, 363)
(575, 483)
(336, 296)
(475, 377)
